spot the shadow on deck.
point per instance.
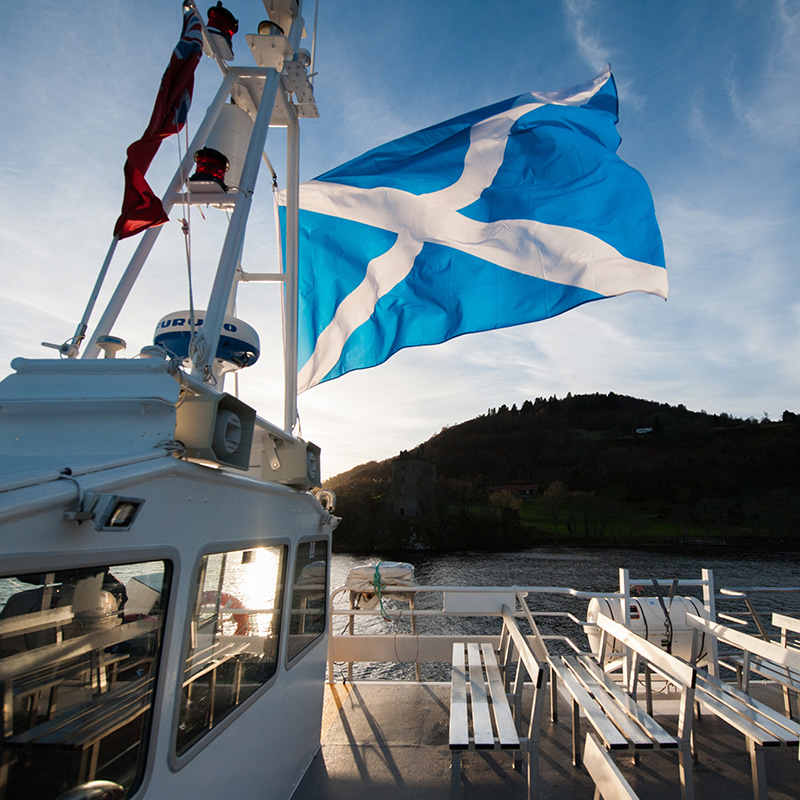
(389, 741)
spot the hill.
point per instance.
(585, 469)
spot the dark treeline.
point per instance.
(603, 469)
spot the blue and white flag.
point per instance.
(510, 214)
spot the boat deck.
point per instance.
(389, 740)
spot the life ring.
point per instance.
(226, 603)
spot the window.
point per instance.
(79, 652)
(309, 596)
(234, 634)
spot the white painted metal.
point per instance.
(189, 509)
(145, 246)
(78, 428)
(230, 136)
(290, 287)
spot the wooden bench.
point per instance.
(762, 726)
(490, 719)
(18, 672)
(609, 782)
(612, 710)
(84, 727)
(787, 675)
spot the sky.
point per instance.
(709, 114)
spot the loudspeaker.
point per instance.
(217, 429)
(291, 463)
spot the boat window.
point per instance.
(309, 596)
(79, 652)
(234, 635)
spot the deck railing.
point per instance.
(418, 624)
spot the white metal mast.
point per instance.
(280, 74)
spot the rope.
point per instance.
(186, 229)
(378, 584)
(666, 642)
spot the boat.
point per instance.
(168, 626)
(156, 531)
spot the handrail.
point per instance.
(479, 589)
(363, 642)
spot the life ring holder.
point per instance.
(228, 602)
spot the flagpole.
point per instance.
(72, 346)
(290, 286)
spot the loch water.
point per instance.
(586, 569)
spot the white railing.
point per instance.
(430, 623)
(365, 639)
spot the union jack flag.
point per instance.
(141, 208)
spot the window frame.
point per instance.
(178, 761)
(292, 661)
(80, 560)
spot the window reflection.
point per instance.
(309, 596)
(79, 651)
(234, 635)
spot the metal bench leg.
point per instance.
(787, 702)
(757, 768)
(553, 696)
(686, 770)
(455, 775)
(576, 734)
(533, 773)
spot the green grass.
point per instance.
(629, 524)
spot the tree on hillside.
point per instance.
(554, 499)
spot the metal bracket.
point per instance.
(270, 451)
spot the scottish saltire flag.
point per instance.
(141, 208)
(510, 214)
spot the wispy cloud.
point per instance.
(767, 106)
(581, 26)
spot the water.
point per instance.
(589, 569)
(584, 569)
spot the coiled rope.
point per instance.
(378, 585)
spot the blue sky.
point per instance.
(708, 113)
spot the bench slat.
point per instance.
(506, 730)
(604, 772)
(778, 719)
(742, 715)
(611, 737)
(768, 669)
(523, 647)
(635, 736)
(91, 720)
(784, 656)
(459, 727)
(660, 737)
(786, 623)
(482, 733)
(672, 668)
(632, 720)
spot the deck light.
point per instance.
(269, 28)
(211, 166)
(119, 514)
(110, 512)
(221, 21)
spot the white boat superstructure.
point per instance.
(165, 561)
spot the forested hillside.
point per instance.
(588, 469)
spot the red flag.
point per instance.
(141, 208)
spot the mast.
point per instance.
(266, 92)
